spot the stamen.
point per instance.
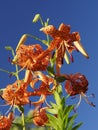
(10, 75)
(47, 104)
(80, 98)
(9, 59)
(71, 58)
(9, 110)
(86, 99)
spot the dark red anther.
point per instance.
(9, 59)
(10, 75)
(71, 58)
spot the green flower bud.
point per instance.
(36, 18)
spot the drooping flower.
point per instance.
(43, 89)
(6, 122)
(39, 117)
(27, 56)
(16, 94)
(77, 84)
(64, 42)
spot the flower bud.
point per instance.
(22, 40)
(36, 18)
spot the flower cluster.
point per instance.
(36, 61)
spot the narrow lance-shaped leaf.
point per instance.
(51, 70)
(77, 126)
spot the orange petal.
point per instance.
(40, 101)
(48, 29)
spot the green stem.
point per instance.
(42, 22)
(17, 76)
(5, 71)
(23, 121)
(16, 66)
(48, 39)
(36, 38)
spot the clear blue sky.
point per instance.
(82, 15)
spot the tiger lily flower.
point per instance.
(44, 89)
(27, 56)
(16, 93)
(77, 84)
(64, 42)
(6, 121)
(40, 117)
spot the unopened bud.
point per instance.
(22, 40)
(36, 18)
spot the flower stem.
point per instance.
(36, 38)
(23, 121)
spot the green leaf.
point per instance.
(59, 89)
(68, 109)
(21, 109)
(50, 70)
(71, 121)
(52, 60)
(63, 101)
(53, 121)
(52, 111)
(66, 113)
(60, 79)
(71, 118)
(18, 124)
(44, 42)
(54, 106)
(65, 120)
(77, 126)
(57, 98)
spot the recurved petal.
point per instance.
(79, 46)
(48, 29)
(64, 28)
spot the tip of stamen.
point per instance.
(92, 104)
(71, 58)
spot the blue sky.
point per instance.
(16, 19)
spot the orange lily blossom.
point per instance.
(16, 93)
(77, 84)
(44, 89)
(6, 122)
(40, 117)
(64, 42)
(27, 57)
